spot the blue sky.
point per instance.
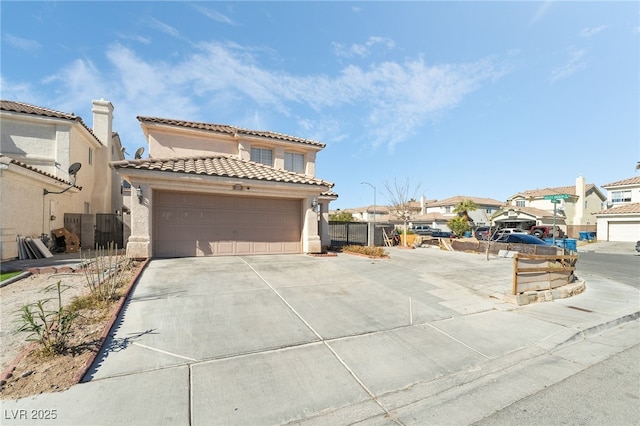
(482, 99)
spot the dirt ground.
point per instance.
(35, 373)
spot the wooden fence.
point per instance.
(535, 272)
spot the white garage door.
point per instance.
(624, 231)
(186, 224)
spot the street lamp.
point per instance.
(372, 241)
(374, 201)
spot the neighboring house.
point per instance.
(621, 220)
(378, 214)
(37, 147)
(439, 213)
(572, 214)
(213, 189)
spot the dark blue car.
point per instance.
(520, 239)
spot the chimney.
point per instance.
(103, 129)
(103, 121)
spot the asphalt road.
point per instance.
(624, 268)
(608, 393)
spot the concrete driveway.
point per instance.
(335, 340)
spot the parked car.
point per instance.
(484, 233)
(424, 230)
(518, 238)
(638, 246)
(443, 234)
(509, 231)
(546, 231)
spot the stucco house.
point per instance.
(438, 213)
(213, 189)
(621, 220)
(573, 214)
(38, 146)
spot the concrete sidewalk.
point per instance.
(418, 338)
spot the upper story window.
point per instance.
(90, 159)
(262, 155)
(447, 209)
(621, 196)
(294, 162)
(520, 203)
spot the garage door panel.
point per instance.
(624, 231)
(206, 225)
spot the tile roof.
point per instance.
(631, 208)
(453, 201)
(528, 210)
(8, 160)
(229, 130)
(219, 165)
(23, 108)
(630, 181)
(538, 193)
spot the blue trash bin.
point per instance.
(591, 236)
(584, 235)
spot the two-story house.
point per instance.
(569, 207)
(439, 212)
(212, 189)
(621, 220)
(40, 149)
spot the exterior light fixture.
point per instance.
(314, 203)
(139, 194)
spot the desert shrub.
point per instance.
(48, 327)
(104, 272)
(366, 250)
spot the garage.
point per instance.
(195, 224)
(624, 231)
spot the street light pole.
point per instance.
(372, 243)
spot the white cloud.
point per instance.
(214, 15)
(22, 43)
(574, 64)
(392, 100)
(165, 28)
(588, 32)
(362, 50)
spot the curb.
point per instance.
(107, 329)
(11, 280)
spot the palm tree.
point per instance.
(464, 207)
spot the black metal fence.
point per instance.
(348, 233)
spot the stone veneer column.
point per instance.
(139, 243)
(310, 238)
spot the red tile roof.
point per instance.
(229, 130)
(630, 181)
(220, 165)
(453, 201)
(8, 160)
(528, 210)
(631, 208)
(539, 193)
(23, 108)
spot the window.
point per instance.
(262, 155)
(520, 203)
(447, 209)
(621, 196)
(294, 162)
(90, 156)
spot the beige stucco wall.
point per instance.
(172, 145)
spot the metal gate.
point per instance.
(348, 233)
(108, 230)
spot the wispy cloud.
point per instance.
(165, 28)
(540, 12)
(364, 49)
(574, 64)
(394, 98)
(214, 15)
(588, 32)
(22, 43)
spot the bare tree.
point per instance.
(400, 195)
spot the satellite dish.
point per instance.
(73, 169)
(138, 154)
